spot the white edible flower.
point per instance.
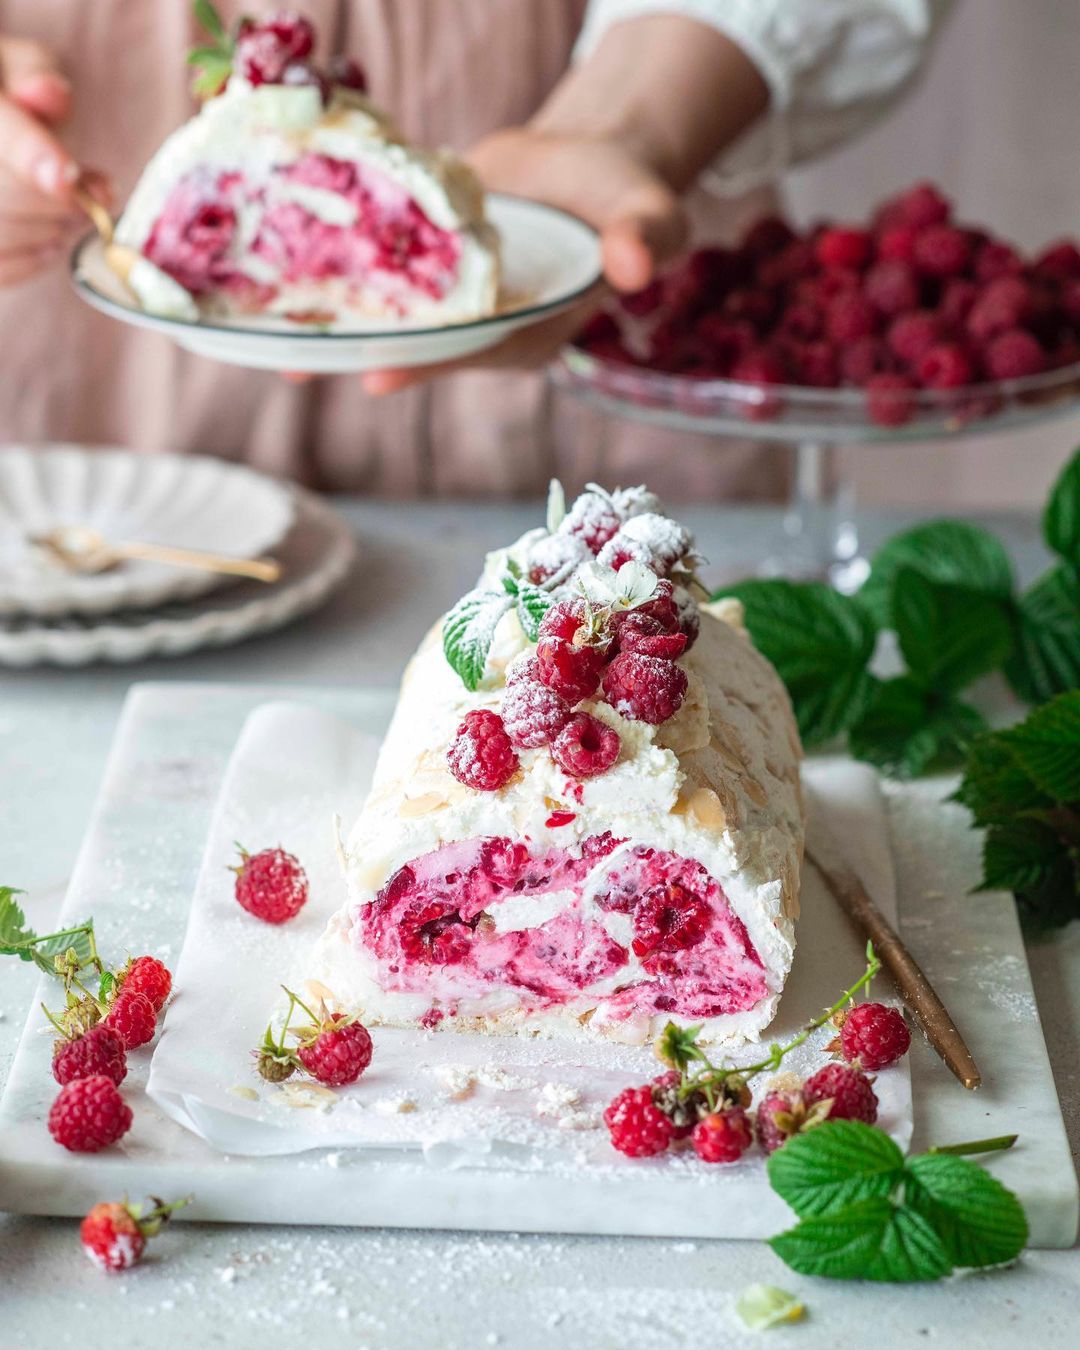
(632, 585)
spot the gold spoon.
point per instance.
(152, 289)
(78, 548)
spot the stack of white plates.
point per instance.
(140, 609)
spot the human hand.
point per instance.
(639, 218)
(38, 214)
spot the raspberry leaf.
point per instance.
(871, 1240)
(17, 938)
(1016, 856)
(1061, 519)
(15, 934)
(468, 631)
(1047, 746)
(907, 728)
(995, 788)
(210, 20)
(979, 1222)
(532, 604)
(951, 552)
(949, 635)
(821, 643)
(1046, 650)
(835, 1165)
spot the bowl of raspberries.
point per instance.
(911, 324)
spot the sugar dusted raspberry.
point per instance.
(644, 688)
(844, 246)
(1004, 304)
(642, 633)
(942, 251)
(864, 358)
(1013, 355)
(299, 73)
(347, 72)
(271, 885)
(848, 1089)
(147, 975)
(896, 244)
(892, 287)
(593, 519)
(295, 33)
(89, 1114)
(133, 1018)
(875, 1035)
(585, 746)
(98, 1051)
(688, 614)
(723, 1136)
(849, 317)
(533, 714)
(946, 366)
(636, 501)
(260, 57)
(111, 1237)
(481, 755)
(1059, 260)
(572, 672)
(656, 541)
(637, 1126)
(563, 618)
(890, 399)
(556, 554)
(911, 336)
(339, 1053)
(669, 918)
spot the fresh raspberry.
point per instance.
(265, 49)
(533, 714)
(847, 1088)
(585, 746)
(570, 671)
(874, 1035)
(652, 539)
(896, 244)
(669, 918)
(556, 553)
(864, 358)
(801, 320)
(637, 1125)
(642, 633)
(299, 73)
(601, 327)
(644, 302)
(688, 615)
(921, 206)
(912, 335)
(295, 33)
(849, 317)
(593, 519)
(1004, 304)
(133, 1017)
(644, 688)
(791, 264)
(271, 885)
(339, 1052)
(1070, 301)
(892, 287)
(994, 259)
(766, 236)
(97, 1052)
(957, 298)
(347, 72)
(682, 1111)
(146, 975)
(1059, 260)
(89, 1114)
(890, 399)
(779, 1115)
(1014, 354)
(723, 1136)
(481, 755)
(843, 246)
(816, 366)
(946, 366)
(111, 1237)
(761, 368)
(942, 251)
(754, 304)
(723, 341)
(563, 619)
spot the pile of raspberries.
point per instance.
(912, 301)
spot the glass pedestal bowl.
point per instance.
(821, 537)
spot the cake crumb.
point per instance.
(395, 1106)
(456, 1081)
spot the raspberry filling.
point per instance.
(212, 224)
(630, 930)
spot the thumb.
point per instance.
(634, 247)
(32, 79)
(31, 151)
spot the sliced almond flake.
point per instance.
(708, 810)
(755, 791)
(319, 991)
(423, 805)
(248, 1093)
(308, 1096)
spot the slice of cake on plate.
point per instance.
(290, 195)
(586, 816)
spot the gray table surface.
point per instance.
(238, 1286)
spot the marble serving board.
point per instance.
(146, 841)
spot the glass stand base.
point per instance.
(821, 542)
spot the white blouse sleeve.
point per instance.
(832, 67)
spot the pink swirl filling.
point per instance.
(440, 925)
(391, 245)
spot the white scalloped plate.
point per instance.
(315, 557)
(550, 260)
(184, 500)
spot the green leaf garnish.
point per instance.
(531, 604)
(979, 1221)
(908, 729)
(17, 938)
(1047, 747)
(873, 1240)
(828, 1169)
(468, 631)
(209, 19)
(821, 642)
(949, 635)
(950, 552)
(1046, 644)
(1061, 519)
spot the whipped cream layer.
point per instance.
(521, 910)
(266, 202)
